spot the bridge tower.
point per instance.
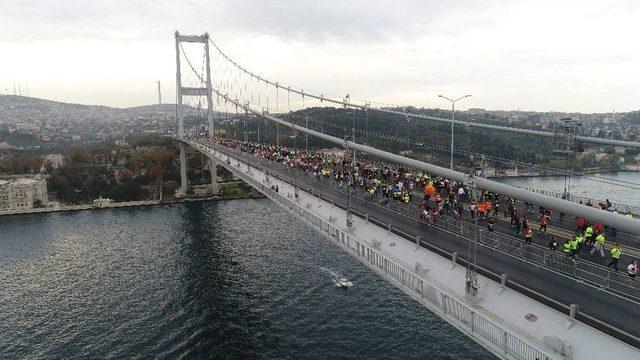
(194, 91)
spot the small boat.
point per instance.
(344, 282)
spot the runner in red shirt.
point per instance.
(543, 223)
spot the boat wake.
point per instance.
(338, 280)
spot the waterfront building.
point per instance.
(22, 193)
(102, 202)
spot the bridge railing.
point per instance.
(501, 339)
(577, 269)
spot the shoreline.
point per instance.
(126, 204)
(594, 172)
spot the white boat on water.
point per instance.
(344, 282)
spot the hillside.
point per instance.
(25, 102)
(631, 118)
(15, 109)
(155, 108)
(8, 101)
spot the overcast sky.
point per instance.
(529, 55)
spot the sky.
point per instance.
(573, 56)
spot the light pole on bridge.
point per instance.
(453, 118)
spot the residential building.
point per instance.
(56, 161)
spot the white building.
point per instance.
(56, 161)
(512, 172)
(102, 202)
(22, 193)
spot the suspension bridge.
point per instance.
(519, 300)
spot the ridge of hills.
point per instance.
(25, 101)
(38, 103)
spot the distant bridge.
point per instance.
(520, 302)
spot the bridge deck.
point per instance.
(599, 304)
(611, 309)
(509, 305)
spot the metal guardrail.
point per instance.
(500, 339)
(577, 269)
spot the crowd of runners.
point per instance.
(436, 196)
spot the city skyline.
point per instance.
(570, 57)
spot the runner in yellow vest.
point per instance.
(575, 243)
(615, 256)
(588, 234)
(566, 247)
(581, 241)
(598, 245)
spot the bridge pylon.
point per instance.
(181, 91)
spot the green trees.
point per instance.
(21, 164)
(147, 140)
(93, 172)
(75, 183)
(126, 191)
(81, 183)
(59, 183)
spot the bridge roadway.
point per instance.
(567, 226)
(606, 312)
(561, 230)
(599, 304)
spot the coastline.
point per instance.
(127, 204)
(575, 174)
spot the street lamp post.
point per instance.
(453, 118)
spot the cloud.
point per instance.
(561, 55)
(304, 20)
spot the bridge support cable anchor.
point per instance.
(421, 269)
(471, 286)
(349, 218)
(573, 311)
(503, 284)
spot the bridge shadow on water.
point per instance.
(213, 301)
